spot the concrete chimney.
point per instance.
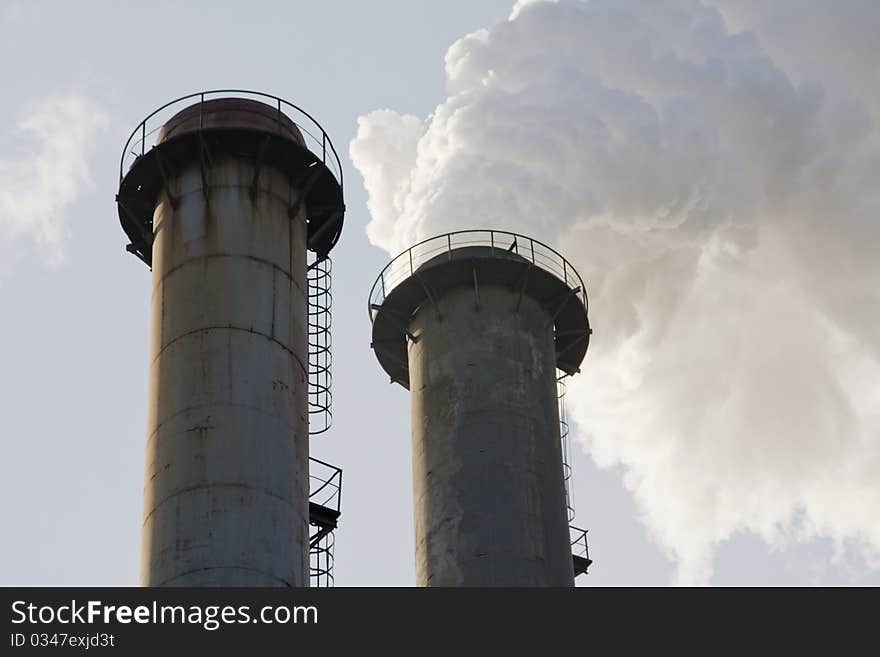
(475, 324)
(224, 209)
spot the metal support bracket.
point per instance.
(146, 235)
(382, 345)
(131, 248)
(398, 319)
(572, 344)
(431, 298)
(304, 186)
(572, 292)
(329, 223)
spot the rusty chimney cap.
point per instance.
(226, 113)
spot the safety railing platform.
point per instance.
(417, 277)
(580, 551)
(145, 167)
(325, 497)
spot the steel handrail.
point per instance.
(385, 282)
(333, 481)
(579, 545)
(279, 102)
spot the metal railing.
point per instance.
(317, 140)
(325, 489)
(539, 254)
(325, 484)
(579, 547)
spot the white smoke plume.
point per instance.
(711, 168)
(43, 168)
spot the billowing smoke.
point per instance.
(43, 168)
(712, 171)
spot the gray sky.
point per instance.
(74, 318)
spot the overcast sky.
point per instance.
(77, 78)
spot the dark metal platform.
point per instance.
(473, 259)
(244, 127)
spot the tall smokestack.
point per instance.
(224, 208)
(475, 325)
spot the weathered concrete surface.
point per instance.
(487, 464)
(226, 494)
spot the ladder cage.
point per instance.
(564, 432)
(580, 552)
(321, 562)
(325, 480)
(320, 392)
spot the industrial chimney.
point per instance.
(224, 208)
(475, 324)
